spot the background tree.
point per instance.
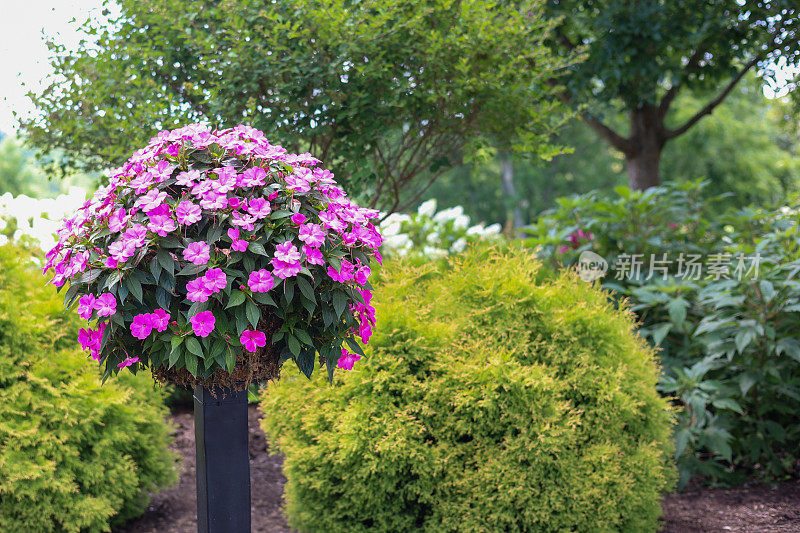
(390, 94)
(641, 54)
(754, 159)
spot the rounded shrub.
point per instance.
(493, 398)
(74, 455)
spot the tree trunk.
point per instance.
(647, 140)
(514, 217)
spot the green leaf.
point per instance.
(303, 336)
(155, 268)
(264, 298)
(237, 298)
(194, 347)
(166, 261)
(305, 288)
(191, 364)
(659, 331)
(305, 362)
(257, 248)
(339, 303)
(230, 359)
(294, 344)
(253, 313)
(135, 287)
(355, 346)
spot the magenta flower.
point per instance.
(135, 235)
(298, 218)
(313, 255)
(284, 269)
(161, 225)
(243, 221)
(160, 319)
(362, 274)
(128, 362)
(260, 281)
(253, 177)
(331, 221)
(259, 208)
(86, 306)
(287, 252)
(216, 279)
(344, 274)
(239, 245)
(151, 200)
(187, 179)
(118, 220)
(188, 213)
(273, 195)
(197, 290)
(252, 340)
(105, 304)
(312, 234)
(203, 323)
(142, 182)
(197, 252)
(142, 325)
(347, 360)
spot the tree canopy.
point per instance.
(640, 55)
(390, 94)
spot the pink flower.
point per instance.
(284, 269)
(298, 218)
(106, 304)
(160, 319)
(121, 251)
(197, 252)
(253, 177)
(234, 202)
(243, 221)
(128, 362)
(203, 323)
(85, 306)
(161, 225)
(260, 281)
(313, 255)
(151, 200)
(141, 183)
(362, 274)
(142, 325)
(347, 360)
(287, 252)
(216, 279)
(135, 235)
(253, 340)
(259, 208)
(296, 183)
(188, 213)
(197, 290)
(240, 245)
(187, 179)
(118, 220)
(344, 274)
(312, 234)
(273, 195)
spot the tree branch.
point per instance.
(709, 107)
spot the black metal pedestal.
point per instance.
(223, 461)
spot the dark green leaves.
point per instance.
(253, 313)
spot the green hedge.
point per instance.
(492, 399)
(74, 455)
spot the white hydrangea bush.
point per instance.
(432, 234)
(36, 220)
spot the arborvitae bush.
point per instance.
(74, 455)
(493, 398)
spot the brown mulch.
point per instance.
(175, 510)
(745, 509)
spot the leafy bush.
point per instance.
(492, 399)
(727, 336)
(74, 456)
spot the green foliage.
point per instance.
(492, 399)
(727, 338)
(74, 456)
(387, 93)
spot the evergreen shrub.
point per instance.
(74, 455)
(494, 397)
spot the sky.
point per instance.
(23, 54)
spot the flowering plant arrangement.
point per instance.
(214, 256)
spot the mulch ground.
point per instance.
(746, 509)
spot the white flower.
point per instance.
(433, 252)
(459, 245)
(461, 222)
(427, 208)
(494, 229)
(433, 238)
(446, 215)
(476, 230)
(397, 242)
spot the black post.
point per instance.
(223, 461)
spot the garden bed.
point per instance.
(749, 508)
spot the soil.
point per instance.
(745, 509)
(175, 510)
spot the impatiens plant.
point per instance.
(214, 256)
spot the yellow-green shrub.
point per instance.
(491, 399)
(74, 455)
